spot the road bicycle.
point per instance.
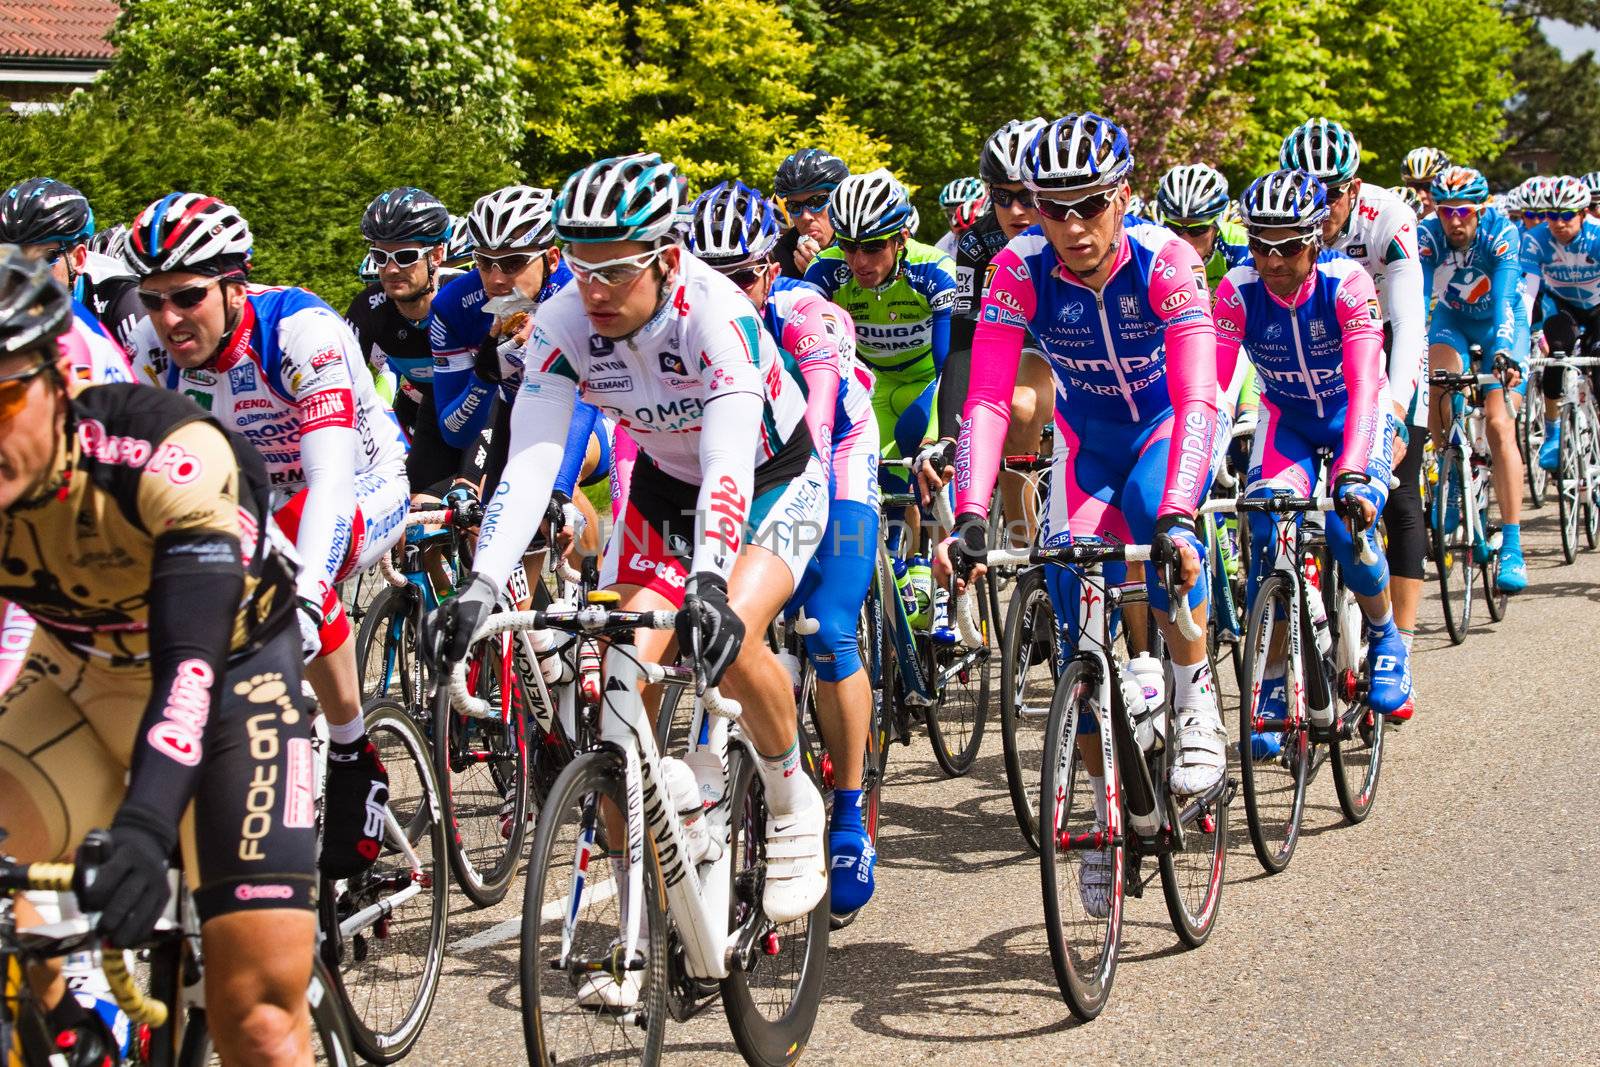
(1578, 470)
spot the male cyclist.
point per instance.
(962, 201)
(1311, 324)
(1417, 172)
(1370, 225)
(1561, 255)
(1122, 313)
(407, 229)
(725, 481)
(162, 686)
(804, 182)
(734, 231)
(1470, 253)
(281, 367)
(1191, 202)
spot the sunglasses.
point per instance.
(190, 296)
(1007, 197)
(405, 258)
(800, 205)
(1451, 211)
(1088, 207)
(745, 277)
(1554, 216)
(1336, 193)
(1288, 246)
(509, 263)
(1195, 228)
(613, 272)
(14, 389)
(870, 248)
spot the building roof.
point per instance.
(56, 29)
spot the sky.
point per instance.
(1572, 40)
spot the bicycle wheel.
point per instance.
(1082, 921)
(1451, 554)
(383, 932)
(1530, 439)
(1027, 682)
(388, 663)
(1570, 484)
(1589, 463)
(1274, 782)
(771, 1000)
(958, 715)
(573, 912)
(1191, 877)
(482, 769)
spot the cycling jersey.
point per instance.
(95, 357)
(1382, 235)
(1570, 272)
(111, 291)
(974, 250)
(703, 348)
(1228, 251)
(902, 326)
(1478, 285)
(947, 243)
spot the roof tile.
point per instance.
(59, 29)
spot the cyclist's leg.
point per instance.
(1447, 348)
(1506, 470)
(1031, 402)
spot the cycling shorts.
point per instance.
(249, 837)
(431, 461)
(1448, 327)
(904, 408)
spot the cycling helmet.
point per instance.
(1423, 165)
(960, 191)
(967, 214)
(367, 270)
(43, 211)
(1592, 182)
(1194, 193)
(808, 169)
(1323, 148)
(191, 232)
(518, 216)
(34, 306)
(461, 244)
(1077, 151)
(869, 205)
(1136, 206)
(1410, 196)
(1001, 160)
(623, 198)
(1291, 199)
(406, 214)
(111, 241)
(1568, 194)
(1534, 193)
(1460, 183)
(913, 221)
(733, 224)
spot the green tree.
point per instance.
(1557, 99)
(366, 59)
(713, 85)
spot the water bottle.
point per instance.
(711, 781)
(683, 792)
(547, 647)
(1480, 436)
(920, 576)
(941, 630)
(1138, 710)
(1152, 679)
(902, 585)
(1319, 611)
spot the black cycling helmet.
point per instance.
(43, 211)
(808, 169)
(34, 306)
(406, 214)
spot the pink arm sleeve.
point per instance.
(1178, 293)
(1364, 381)
(624, 453)
(1230, 319)
(996, 349)
(812, 334)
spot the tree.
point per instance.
(373, 60)
(710, 84)
(1553, 111)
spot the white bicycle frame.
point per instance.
(1575, 392)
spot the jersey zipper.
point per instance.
(1111, 353)
(1300, 354)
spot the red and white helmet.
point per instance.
(189, 232)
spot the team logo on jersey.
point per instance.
(200, 377)
(1000, 315)
(1071, 311)
(1175, 301)
(1374, 312)
(1318, 330)
(1355, 251)
(1129, 306)
(1472, 286)
(601, 346)
(673, 364)
(1273, 331)
(242, 379)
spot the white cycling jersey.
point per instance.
(1381, 235)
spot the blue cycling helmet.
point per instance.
(1324, 148)
(733, 224)
(960, 191)
(1286, 199)
(43, 211)
(1077, 151)
(1456, 184)
(621, 198)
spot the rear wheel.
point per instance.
(1569, 484)
(1274, 741)
(388, 661)
(1027, 686)
(1191, 877)
(1451, 552)
(961, 709)
(1530, 439)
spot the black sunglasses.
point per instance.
(406, 257)
(190, 296)
(745, 277)
(871, 248)
(1090, 207)
(1006, 197)
(798, 205)
(1195, 228)
(1336, 193)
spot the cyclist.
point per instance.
(1470, 253)
(136, 532)
(1411, 198)
(1561, 256)
(1122, 314)
(959, 194)
(725, 469)
(734, 232)
(407, 229)
(804, 182)
(1533, 197)
(1370, 225)
(1417, 172)
(281, 368)
(1591, 182)
(1310, 320)
(899, 292)
(1191, 201)
(52, 220)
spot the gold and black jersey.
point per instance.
(140, 463)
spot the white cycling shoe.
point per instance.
(1202, 754)
(797, 868)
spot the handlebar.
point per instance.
(1284, 505)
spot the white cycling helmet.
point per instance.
(189, 232)
(461, 244)
(1078, 151)
(870, 205)
(1001, 160)
(623, 198)
(1193, 194)
(1534, 194)
(1568, 194)
(518, 216)
(960, 191)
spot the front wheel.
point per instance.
(1451, 552)
(961, 707)
(1569, 485)
(1027, 683)
(1530, 439)
(1191, 878)
(1274, 734)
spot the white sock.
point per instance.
(347, 733)
(1097, 789)
(1191, 687)
(1407, 636)
(1379, 624)
(788, 788)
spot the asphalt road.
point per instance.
(1457, 924)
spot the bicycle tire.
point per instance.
(1205, 839)
(1273, 839)
(1453, 558)
(1590, 463)
(1087, 987)
(1356, 757)
(491, 758)
(1022, 724)
(1530, 439)
(389, 627)
(961, 709)
(549, 995)
(1569, 484)
(389, 1038)
(777, 1035)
